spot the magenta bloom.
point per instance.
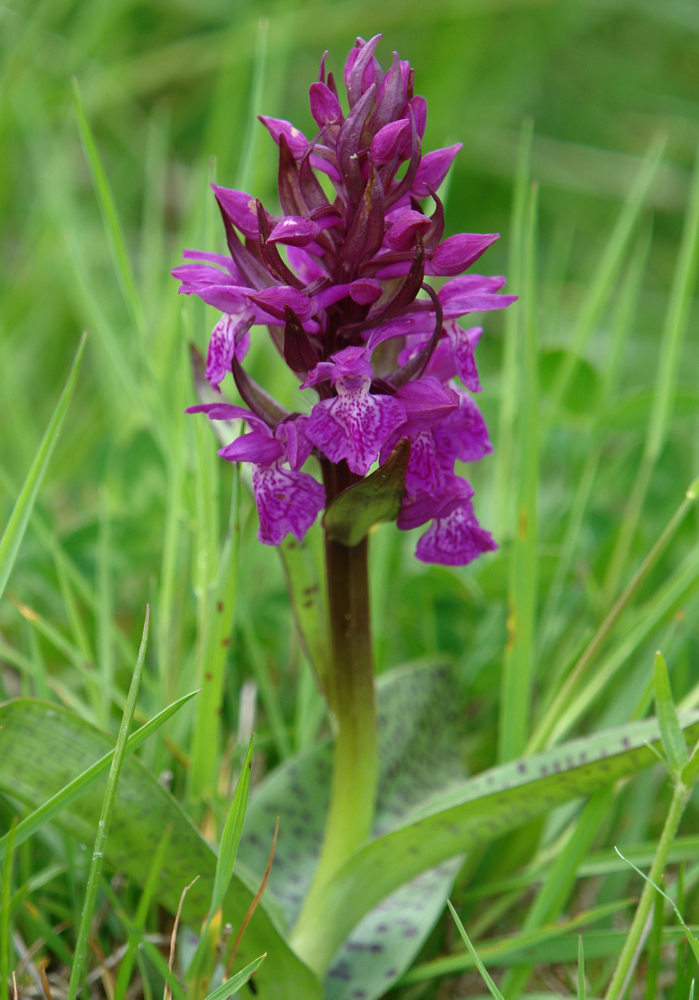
(340, 284)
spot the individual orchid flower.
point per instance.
(288, 500)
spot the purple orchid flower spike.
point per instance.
(340, 282)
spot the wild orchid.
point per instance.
(340, 283)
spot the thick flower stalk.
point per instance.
(339, 280)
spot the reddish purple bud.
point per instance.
(458, 252)
(391, 96)
(419, 107)
(298, 143)
(275, 300)
(433, 168)
(390, 141)
(295, 230)
(240, 208)
(361, 69)
(366, 232)
(325, 106)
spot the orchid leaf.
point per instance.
(479, 810)
(378, 498)
(43, 747)
(418, 733)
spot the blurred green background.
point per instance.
(169, 85)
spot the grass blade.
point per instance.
(552, 720)
(16, 526)
(676, 322)
(232, 985)
(5, 906)
(673, 741)
(231, 833)
(504, 456)
(581, 970)
(518, 674)
(602, 283)
(221, 615)
(110, 217)
(76, 971)
(127, 963)
(479, 965)
(75, 788)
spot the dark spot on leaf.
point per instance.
(219, 606)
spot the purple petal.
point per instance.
(473, 293)
(321, 373)
(223, 347)
(298, 143)
(393, 328)
(307, 267)
(228, 298)
(403, 233)
(325, 107)
(433, 169)
(352, 362)
(295, 230)
(354, 426)
(441, 365)
(458, 252)
(240, 208)
(455, 539)
(465, 431)
(426, 400)
(293, 434)
(462, 343)
(422, 507)
(258, 447)
(287, 502)
(227, 411)
(365, 291)
(212, 258)
(430, 467)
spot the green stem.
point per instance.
(630, 952)
(349, 688)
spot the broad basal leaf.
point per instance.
(479, 811)
(42, 747)
(418, 732)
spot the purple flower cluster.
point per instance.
(341, 286)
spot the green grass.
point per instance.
(110, 115)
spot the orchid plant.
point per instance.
(340, 283)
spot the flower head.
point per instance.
(347, 305)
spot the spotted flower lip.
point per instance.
(340, 280)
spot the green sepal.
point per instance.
(378, 498)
